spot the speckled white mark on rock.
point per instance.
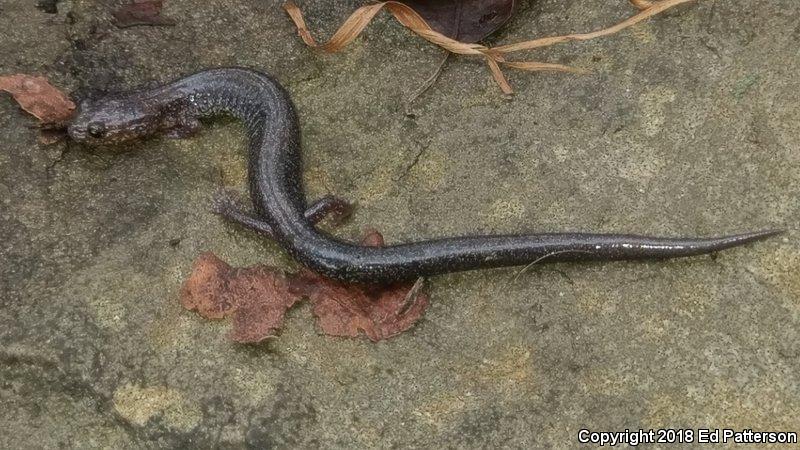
(138, 405)
(376, 187)
(429, 173)
(440, 409)
(653, 112)
(644, 162)
(643, 32)
(255, 383)
(780, 268)
(561, 153)
(510, 208)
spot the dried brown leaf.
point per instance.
(141, 12)
(257, 297)
(263, 297)
(40, 98)
(348, 310)
(380, 312)
(205, 291)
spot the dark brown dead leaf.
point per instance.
(380, 312)
(464, 20)
(257, 298)
(40, 98)
(141, 12)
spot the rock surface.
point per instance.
(689, 124)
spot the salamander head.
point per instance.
(112, 120)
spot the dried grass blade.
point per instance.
(535, 66)
(645, 14)
(499, 78)
(409, 18)
(349, 30)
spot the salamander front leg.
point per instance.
(225, 206)
(185, 128)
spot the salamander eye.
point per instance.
(96, 130)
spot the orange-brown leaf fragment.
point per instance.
(38, 97)
(263, 298)
(206, 290)
(380, 312)
(348, 310)
(141, 12)
(257, 297)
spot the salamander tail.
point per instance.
(712, 245)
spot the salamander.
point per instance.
(280, 210)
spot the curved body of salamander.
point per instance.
(276, 190)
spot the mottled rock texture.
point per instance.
(688, 124)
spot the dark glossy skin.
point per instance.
(277, 193)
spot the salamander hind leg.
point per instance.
(226, 206)
(338, 209)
